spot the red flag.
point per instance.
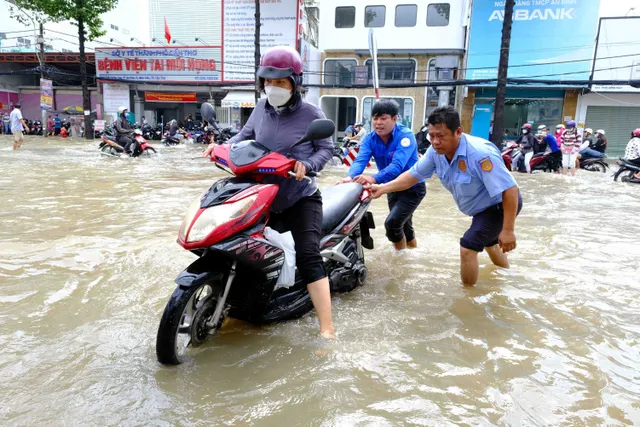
(167, 33)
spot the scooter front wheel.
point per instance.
(188, 319)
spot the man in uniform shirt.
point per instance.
(395, 150)
(473, 171)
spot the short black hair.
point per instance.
(386, 106)
(445, 115)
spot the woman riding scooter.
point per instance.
(277, 123)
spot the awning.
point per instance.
(240, 99)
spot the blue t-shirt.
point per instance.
(476, 176)
(58, 122)
(552, 143)
(394, 157)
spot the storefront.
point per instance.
(236, 107)
(533, 106)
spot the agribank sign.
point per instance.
(550, 39)
(184, 64)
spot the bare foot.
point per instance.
(327, 334)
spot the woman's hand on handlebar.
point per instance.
(209, 150)
(300, 170)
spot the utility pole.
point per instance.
(86, 97)
(503, 67)
(43, 115)
(257, 50)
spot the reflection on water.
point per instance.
(87, 262)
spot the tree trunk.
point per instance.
(257, 49)
(86, 97)
(503, 67)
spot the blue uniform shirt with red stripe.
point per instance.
(476, 176)
(394, 157)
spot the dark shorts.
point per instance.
(485, 228)
(399, 223)
(304, 220)
(635, 161)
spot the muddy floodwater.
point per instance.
(88, 256)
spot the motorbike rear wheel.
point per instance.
(596, 167)
(336, 161)
(184, 321)
(624, 174)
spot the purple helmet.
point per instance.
(571, 124)
(281, 62)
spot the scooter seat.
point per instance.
(337, 202)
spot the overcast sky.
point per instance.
(619, 7)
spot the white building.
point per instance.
(417, 42)
(125, 25)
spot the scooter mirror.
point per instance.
(208, 112)
(320, 129)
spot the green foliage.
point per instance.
(85, 11)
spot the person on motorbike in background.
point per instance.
(632, 152)
(176, 133)
(525, 141)
(423, 139)
(359, 133)
(124, 132)
(277, 123)
(601, 142)
(587, 149)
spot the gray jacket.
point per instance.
(278, 131)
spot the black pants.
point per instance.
(399, 223)
(126, 141)
(304, 220)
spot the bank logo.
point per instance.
(539, 14)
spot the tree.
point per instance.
(503, 67)
(85, 14)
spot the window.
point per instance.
(66, 50)
(3, 36)
(125, 31)
(339, 71)
(405, 111)
(374, 16)
(406, 15)
(114, 27)
(438, 14)
(24, 42)
(48, 48)
(345, 17)
(393, 70)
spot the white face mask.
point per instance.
(277, 96)
(525, 131)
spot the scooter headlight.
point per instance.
(188, 218)
(213, 217)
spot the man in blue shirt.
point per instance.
(473, 171)
(555, 158)
(57, 125)
(395, 150)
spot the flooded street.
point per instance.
(88, 256)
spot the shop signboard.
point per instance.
(116, 95)
(186, 64)
(550, 39)
(46, 94)
(278, 26)
(617, 57)
(170, 97)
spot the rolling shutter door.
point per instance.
(617, 122)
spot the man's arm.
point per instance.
(364, 155)
(400, 158)
(424, 169)
(507, 238)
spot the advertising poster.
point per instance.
(115, 95)
(278, 27)
(46, 94)
(550, 39)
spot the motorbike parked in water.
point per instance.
(626, 171)
(110, 147)
(237, 271)
(594, 164)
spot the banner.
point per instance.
(184, 64)
(46, 94)
(617, 57)
(278, 26)
(170, 97)
(550, 39)
(115, 95)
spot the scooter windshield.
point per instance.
(247, 152)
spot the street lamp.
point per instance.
(116, 40)
(159, 41)
(139, 41)
(174, 41)
(204, 42)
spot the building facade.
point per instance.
(418, 43)
(549, 60)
